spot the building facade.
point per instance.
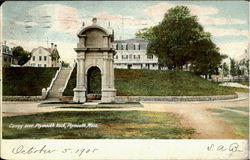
(7, 56)
(42, 57)
(131, 54)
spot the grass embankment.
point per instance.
(246, 83)
(26, 81)
(111, 124)
(238, 121)
(158, 83)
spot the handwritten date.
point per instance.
(45, 150)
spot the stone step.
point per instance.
(59, 82)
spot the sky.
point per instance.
(31, 24)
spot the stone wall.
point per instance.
(22, 98)
(123, 99)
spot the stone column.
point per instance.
(112, 74)
(80, 90)
(105, 74)
(108, 91)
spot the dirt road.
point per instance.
(195, 115)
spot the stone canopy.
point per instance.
(94, 49)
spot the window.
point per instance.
(5, 58)
(124, 56)
(45, 65)
(136, 56)
(136, 46)
(39, 65)
(116, 57)
(150, 57)
(45, 58)
(40, 58)
(33, 58)
(124, 46)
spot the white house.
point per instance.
(131, 54)
(42, 57)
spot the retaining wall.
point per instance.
(22, 98)
(123, 99)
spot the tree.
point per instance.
(180, 40)
(247, 66)
(239, 71)
(233, 70)
(54, 57)
(21, 55)
(225, 69)
(64, 64)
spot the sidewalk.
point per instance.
(234, 84)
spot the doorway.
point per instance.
(94, 84)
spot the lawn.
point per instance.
(239, 121)
(245, 109)
(111, 125)
(26, 81)
(236, 89)
(158, 83)
(246, 83)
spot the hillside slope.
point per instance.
(26, 81)
(158, 83)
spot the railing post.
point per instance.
(44, 93)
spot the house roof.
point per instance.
(47, 49)
(135, 40)
(7, 50)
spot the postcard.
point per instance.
(124, 80)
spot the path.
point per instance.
(196, 115)
(234, 84)
(59, 83)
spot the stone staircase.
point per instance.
(59, 83)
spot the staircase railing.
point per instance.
(45, 91)
(61, 90)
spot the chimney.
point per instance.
(52, 45)
(55, 46)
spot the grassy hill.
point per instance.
(26, 81)
(158, 83)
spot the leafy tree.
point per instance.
(21, 55)
(233, 70)
(239, 71)
(225, 69)
(64, 64)
(55, 55)
(247, 66)
(180, 40)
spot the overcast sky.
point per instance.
(30, 24)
